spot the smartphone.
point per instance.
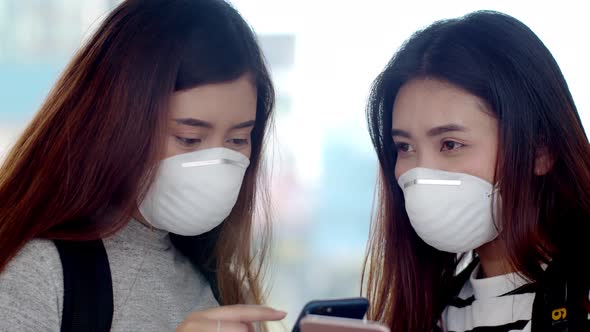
(354, 308)
(316, 323)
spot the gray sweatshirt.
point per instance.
(154, 286)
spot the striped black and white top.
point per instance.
(497, 304)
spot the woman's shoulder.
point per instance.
(38, 256)
(31, 288)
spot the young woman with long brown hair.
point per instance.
(481, 149)
(151, 142)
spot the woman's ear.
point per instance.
(543, 162)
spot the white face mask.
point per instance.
(194, 192)
(451, 212)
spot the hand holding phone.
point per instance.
(229, 318)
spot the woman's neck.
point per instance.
(139, 217)
(493, 259)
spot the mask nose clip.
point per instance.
(432, 182)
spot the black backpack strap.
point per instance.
(558, 304)
(88, 289)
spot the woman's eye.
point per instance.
(189, 142)
(450, 146)
(238, 141)
(404, 147)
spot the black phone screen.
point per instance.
(354, 308)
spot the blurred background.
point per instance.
(323, 55)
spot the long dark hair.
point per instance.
(500, 60)
(93, 148)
